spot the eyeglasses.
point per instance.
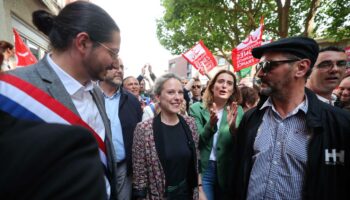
(196, 86)
(329, 64)
(113, 53)
(267, 66)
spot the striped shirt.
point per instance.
(280, 154)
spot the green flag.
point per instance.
(244, 72)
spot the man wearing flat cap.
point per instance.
(292, 145)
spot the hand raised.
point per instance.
(150, 68)
(232, 115)
(213, 115)
(143, 70)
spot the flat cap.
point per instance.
(302, 47)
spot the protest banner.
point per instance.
(199, 56)
(242, 55)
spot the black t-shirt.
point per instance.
(177, 154)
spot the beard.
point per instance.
(268, 91)
(265, 88)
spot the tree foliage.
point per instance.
(223, 24)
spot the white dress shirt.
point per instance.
(83, 102)
(333, 99)
(215, 140)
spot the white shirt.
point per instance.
(215, 140)
(333, 99)
(83, 102)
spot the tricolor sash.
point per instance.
(23, 100)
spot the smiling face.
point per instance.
(101, 57)
(132, 85)
(345, 90)
(223, 87)
(325, 80)
(171, 96)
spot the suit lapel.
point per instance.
(111, 154)
(223, 122)
(54, 85)
(158, 138)
(204, 113)
(123, 98)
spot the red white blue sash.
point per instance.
(25, 101)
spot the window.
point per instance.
(35, 41)
(36, 50)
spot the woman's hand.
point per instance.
(232, 116)
(213, 115)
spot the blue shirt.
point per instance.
(280, 154)
(112, 109)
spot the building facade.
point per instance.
(18, 14)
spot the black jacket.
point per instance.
(130, 113)
(48, 161)
(330, 129)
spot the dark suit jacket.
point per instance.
(42, 75)
(130, 113)
(48, 161)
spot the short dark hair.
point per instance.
(249, 95)
(76, 17)
(196, 79)
(332, 48)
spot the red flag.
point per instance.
(242, 54)
(24, 55)
(200, 56)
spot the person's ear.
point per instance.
(157, 97)
(303, 67)
(82, 42)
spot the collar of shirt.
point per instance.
(113, 96)
(333, 98)
(72, 86)
(303, 106)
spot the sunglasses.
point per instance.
(267, 66)
(196, 86)
(328, 64)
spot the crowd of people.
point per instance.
(167, 137)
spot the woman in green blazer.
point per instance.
(215, 117)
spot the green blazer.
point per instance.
(224, 147)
